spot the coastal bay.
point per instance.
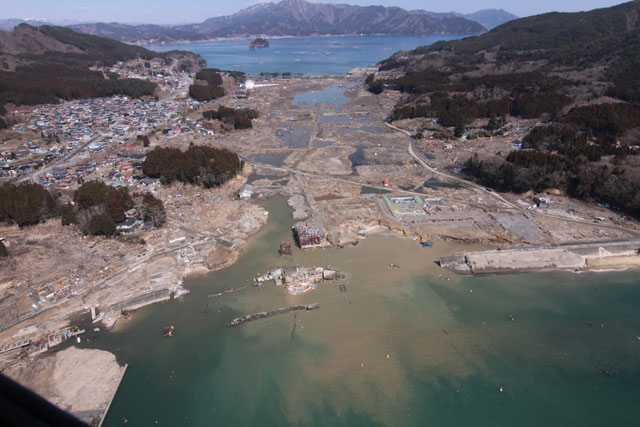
(398, 340)
(411, 343)
(311, 56)
(424, 317)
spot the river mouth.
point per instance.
(407, 341)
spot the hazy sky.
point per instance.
(185, 11)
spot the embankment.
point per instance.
(141, 300)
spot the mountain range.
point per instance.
(489, 18)
(11, 23)
(300, 18)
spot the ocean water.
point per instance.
(311, 56)
(408, 346)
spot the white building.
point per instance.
(246, 192)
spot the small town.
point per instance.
(88, 129)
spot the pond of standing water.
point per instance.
(333, 94)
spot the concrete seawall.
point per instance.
(142, 300)
(104, 415)
(585, 256)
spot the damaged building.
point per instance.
(308, 235)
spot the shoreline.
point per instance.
(187, 273)
(222, 39)
(170, 256)
(115, 391)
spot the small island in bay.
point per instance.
(259, 43)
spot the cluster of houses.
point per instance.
(31, 155)
(94, 124)
(176, 82)
(119, 170)
(116, 118)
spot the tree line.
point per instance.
(212, 90)
(199, 165)
(100, 207)
(458, 110)
(46, 83)
(210, 75)
(456, 102)
(27, 204)
(614, 182)
(97, 207)
(47, 77)
(238, 118)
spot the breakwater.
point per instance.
(579, 256)
(249, 317)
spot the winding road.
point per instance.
(495, 195)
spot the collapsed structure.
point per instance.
(298, 280)
(308, 235)
(285, 247)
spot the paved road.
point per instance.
(331, 178)
(61, 163)
(502, 199)
(451, 177)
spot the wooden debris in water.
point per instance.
(263, 314)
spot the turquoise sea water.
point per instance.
(312, 56)
(412, 346)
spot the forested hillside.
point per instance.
(45, 64)
(576, 72)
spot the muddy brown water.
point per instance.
(412, 345)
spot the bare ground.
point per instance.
(81, 382)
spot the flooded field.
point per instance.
(333, 94)
(274, 158)
(297, 137)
